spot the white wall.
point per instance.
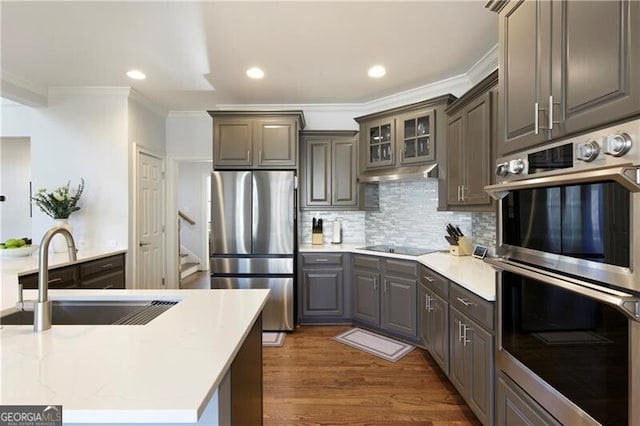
(80, 134)
(15, 178)
(190, 135)
(85, 136)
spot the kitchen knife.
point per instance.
(451, 231)
(460, 234)
(320, 225)
(313, 227)
(451, 240)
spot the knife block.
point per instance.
(317, 238)
(464, 247)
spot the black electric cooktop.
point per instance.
(411, 251)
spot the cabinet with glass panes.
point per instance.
(380, 136)
(403, 136)
(415, 137)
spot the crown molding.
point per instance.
(188, 114)
(19, 90)
(142, 100)
(64, 91)
(485, 66)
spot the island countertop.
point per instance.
(163, 372)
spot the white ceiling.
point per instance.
(195, 53)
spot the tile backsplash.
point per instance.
(408, 216)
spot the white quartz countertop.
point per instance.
(162, 372)
(469, 272)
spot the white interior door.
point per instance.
(150, 226)
(15, 194)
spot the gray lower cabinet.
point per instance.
(514, 407)
(322, 295)
(103, 273)
(385, 293)
(329, 170)
(471, 351)
(433, 307)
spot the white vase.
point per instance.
(59, 242)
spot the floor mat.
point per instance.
(375, 344)
(273, 338)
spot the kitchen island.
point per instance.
(173, 370)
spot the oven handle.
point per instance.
(623, 302)
(628, 177)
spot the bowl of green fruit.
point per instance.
(17, 247)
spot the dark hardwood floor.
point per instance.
(314, 380)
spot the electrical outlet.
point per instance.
(83, 244)
(112, 244)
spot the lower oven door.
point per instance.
(571, 345)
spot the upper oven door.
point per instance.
(584, 224)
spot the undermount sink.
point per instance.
(93, 313)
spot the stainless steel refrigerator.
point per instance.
(252, 240)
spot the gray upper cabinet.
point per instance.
(329, 169)
(470, 142)
(244, 139)
(415, 136)
(380, 141)
(559, 76)
(404, 136)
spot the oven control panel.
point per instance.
(608, 147)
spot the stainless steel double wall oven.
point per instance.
(568, 296)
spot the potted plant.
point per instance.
(59, 204)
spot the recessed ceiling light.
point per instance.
(255, 73)
(377, 71)
(136, 75)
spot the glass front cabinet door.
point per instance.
(380, 143)
(416, 137)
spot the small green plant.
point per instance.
(60, 203)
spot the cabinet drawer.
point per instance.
(366, 262)
(436, 282)
(106, 264)
(402, 267)
(105, 281)
(472, 305)
(322, 259)
(59, 278)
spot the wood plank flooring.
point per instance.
(314, 380)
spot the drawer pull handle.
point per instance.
(108, 265)
(107, 287)
(55, 280)
(463, 301)
(375, 283)
(322, 260)
(428, 278)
